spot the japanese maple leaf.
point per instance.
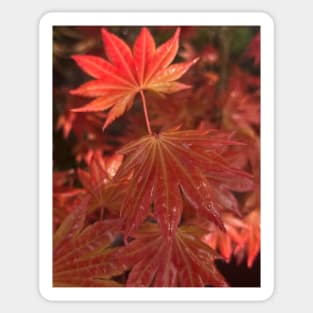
(154, 262)
(186, 108)
(240, 108)
(174, 164)
(78, 124)
(226, 242)
(101, 170)
(252, 238)
(65, 196)
(98, 184)
(81, 255)
(129, 72)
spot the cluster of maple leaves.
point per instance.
(166, 177)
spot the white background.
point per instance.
(19, 156)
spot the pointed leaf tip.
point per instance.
(177, 32)
(195, 60)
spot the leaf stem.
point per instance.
(145, 111)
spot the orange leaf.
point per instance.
(252, 237)
(143, 50)
(129, 72)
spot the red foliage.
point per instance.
(175, 164)
(157, 209)
(80, 255)
(184, 261)
(226, 242)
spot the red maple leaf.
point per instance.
(129, 72)
(252, 238)
(164, 167)
(101, 171)
(65, 196)
(85, 127)
(240, 107)
(81, 255)
(154, 262)
(98, 183)
(226, 242)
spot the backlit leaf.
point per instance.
(252, 238)
(226, 242)
(129, 72)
